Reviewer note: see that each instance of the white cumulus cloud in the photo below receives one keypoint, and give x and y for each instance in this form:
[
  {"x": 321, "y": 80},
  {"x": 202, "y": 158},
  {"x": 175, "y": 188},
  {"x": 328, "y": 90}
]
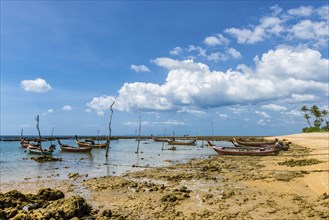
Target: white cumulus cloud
[
  {"x": 303, "y": 11},
  {"x": 176, "y": 51},
  {"x": 274, "y": 107},
  {"x": 295, "y": 98},
  {"x": 263, "y": 114},
  {"x": 218, "y": 39},
  {"x": 67, "y": 108},
  {"x": 267, "y": 26},
  {"x": 38, "y": 85},
  {"x": 139, "y": 68},
  {"x": 277, "y": 75}
]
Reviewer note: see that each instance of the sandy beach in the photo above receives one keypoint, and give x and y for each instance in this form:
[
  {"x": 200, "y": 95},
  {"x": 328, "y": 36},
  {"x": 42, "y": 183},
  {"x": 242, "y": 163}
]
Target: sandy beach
[{"x": 292, "y": 185}]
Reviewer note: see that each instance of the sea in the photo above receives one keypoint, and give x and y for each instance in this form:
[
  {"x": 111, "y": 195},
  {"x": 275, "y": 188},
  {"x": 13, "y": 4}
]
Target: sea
[{"x": 16, "y": 163}]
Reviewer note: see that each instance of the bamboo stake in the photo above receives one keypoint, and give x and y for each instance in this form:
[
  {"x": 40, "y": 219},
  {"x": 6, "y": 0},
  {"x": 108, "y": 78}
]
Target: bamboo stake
[
  {"x": 110, "y": 131},
  {"x": 97, "y": 136},
  {"x": 37, "y": 119},
  {"x": 164, "y": 134},
  {"x": 51, "y": 136},
  {"x": 139, "y": 131}
]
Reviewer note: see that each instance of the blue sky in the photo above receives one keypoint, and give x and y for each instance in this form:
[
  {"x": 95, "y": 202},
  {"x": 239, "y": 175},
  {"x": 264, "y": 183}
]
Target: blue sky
[{"x": 189, "y": 67}]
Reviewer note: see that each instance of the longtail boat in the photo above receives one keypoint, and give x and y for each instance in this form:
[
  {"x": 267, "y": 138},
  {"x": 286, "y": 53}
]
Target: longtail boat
[
  {"x": 87, "y": 142},
  {"x": 173, "y": 142},
  {"x": 68, "y": 148},
  {"x": 245, "y": 151},
  {"x": 159, "y": 139},
  {"x": 38, "y": 150},
  {"x": 255, "y": 144},
  {"x": 275, "y": 145},
  {"x": 25, "y": 143}
]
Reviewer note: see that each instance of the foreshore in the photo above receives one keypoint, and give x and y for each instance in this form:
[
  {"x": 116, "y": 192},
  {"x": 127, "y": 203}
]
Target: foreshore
[{"x": 292, "y": 185}]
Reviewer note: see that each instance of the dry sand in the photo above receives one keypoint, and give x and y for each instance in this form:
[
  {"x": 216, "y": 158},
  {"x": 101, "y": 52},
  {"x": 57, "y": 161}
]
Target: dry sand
[{"x": 220, "y": 187}]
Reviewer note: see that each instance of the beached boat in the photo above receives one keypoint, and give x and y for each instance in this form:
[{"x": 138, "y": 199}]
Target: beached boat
[
  {"x": 38, "y": 150},
  {"x": 174, "y": 142},
  {"x": 68, "y": 148},
  {"x": 255, "y": 144},
  {"x": 246, "y": 151},
  {"x": 87, "y": 142},
  {"x": 276, "y": 145}
]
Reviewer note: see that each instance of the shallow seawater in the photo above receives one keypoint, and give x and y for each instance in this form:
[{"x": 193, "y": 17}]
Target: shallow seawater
[{"x": 15, "y": 164}]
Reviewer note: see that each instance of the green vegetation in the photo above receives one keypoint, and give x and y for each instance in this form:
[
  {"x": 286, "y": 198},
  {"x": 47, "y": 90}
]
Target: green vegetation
[
  {"x": 320, "y": 122},
  {"x": 303, "y": 162}
]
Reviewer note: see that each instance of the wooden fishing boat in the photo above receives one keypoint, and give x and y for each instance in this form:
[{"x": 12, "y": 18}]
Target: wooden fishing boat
[
  {"x": 68, "y": 148},
  {"x": 255, "y": 144},
  {"x": 24, "y": 143},
  {"x": 174, "y": 142},
  {"x": 275, "y": 145},
  {"x": 159, "y": 139},
  {"x": 246, "y": 151},
  {"x": 38, "y": 150},
  {"x": 87, "y": 142}
]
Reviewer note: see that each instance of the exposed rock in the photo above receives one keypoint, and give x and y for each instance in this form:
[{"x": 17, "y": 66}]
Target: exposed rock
[{"x": 46, "y": 204}]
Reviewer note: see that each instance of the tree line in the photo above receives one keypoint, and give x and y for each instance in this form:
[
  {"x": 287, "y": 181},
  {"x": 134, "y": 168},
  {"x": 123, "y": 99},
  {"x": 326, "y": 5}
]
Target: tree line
[{"x": 320, "y": 120}]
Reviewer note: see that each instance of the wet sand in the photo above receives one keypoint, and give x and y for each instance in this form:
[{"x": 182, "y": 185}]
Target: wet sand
[{"x": 220, "y": 187}]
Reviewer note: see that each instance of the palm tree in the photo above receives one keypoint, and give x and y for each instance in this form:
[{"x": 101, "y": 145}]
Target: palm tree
[
  {"x": 317, "y": 114},
  {"x": 306, "y": 116},
  {"x": 324, "y": 113}
]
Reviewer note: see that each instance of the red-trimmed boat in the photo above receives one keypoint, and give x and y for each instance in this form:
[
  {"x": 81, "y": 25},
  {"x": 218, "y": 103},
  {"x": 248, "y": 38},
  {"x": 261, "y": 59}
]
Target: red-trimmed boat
[
  {"x": 68, "y": 148},
  {"x": 87, "y": 142}
]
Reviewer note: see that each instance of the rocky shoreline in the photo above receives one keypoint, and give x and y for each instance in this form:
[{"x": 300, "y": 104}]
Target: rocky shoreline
[{"x": 230, "y": 187}]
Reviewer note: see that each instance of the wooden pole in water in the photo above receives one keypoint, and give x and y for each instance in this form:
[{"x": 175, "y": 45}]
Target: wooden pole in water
[
  {"x": 97, "y": 136},
  {"x": 51, "y": 136},
  {"x": 37, "y": 119},
  {"x": 139, "y": 131},
  {"x": 163, "y": 140},
  {"x": 110, "y": 131}
]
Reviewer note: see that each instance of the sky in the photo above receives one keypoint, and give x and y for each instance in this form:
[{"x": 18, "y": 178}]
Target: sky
[{"x": 186, "y": 67}]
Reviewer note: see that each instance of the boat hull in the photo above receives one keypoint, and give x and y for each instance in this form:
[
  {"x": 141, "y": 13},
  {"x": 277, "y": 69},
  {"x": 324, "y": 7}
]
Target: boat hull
[
  {"x": 86, "y": 144},
  {"x": 275, "y": 145},
  {"x": 76, "y": 149},
  {"x": 68, "y": 148},
  {"x": 40, "y": 152},
  {"x": 245, "y": 151},
  {"x": 191, "y": 143}
]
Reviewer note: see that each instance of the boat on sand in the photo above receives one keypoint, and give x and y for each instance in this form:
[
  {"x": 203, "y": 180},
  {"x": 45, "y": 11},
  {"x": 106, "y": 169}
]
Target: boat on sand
[
  {"x": 246, "y": 151},
  {"x": 255, "y": 144}
]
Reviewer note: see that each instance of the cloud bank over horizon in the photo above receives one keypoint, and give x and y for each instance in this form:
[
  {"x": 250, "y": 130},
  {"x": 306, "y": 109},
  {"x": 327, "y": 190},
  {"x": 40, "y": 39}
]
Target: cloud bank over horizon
[{"x": 282, "y": 73}]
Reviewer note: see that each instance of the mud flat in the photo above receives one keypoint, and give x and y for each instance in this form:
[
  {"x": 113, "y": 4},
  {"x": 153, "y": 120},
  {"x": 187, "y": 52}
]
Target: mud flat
[{"x": 292, "y": 185}]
